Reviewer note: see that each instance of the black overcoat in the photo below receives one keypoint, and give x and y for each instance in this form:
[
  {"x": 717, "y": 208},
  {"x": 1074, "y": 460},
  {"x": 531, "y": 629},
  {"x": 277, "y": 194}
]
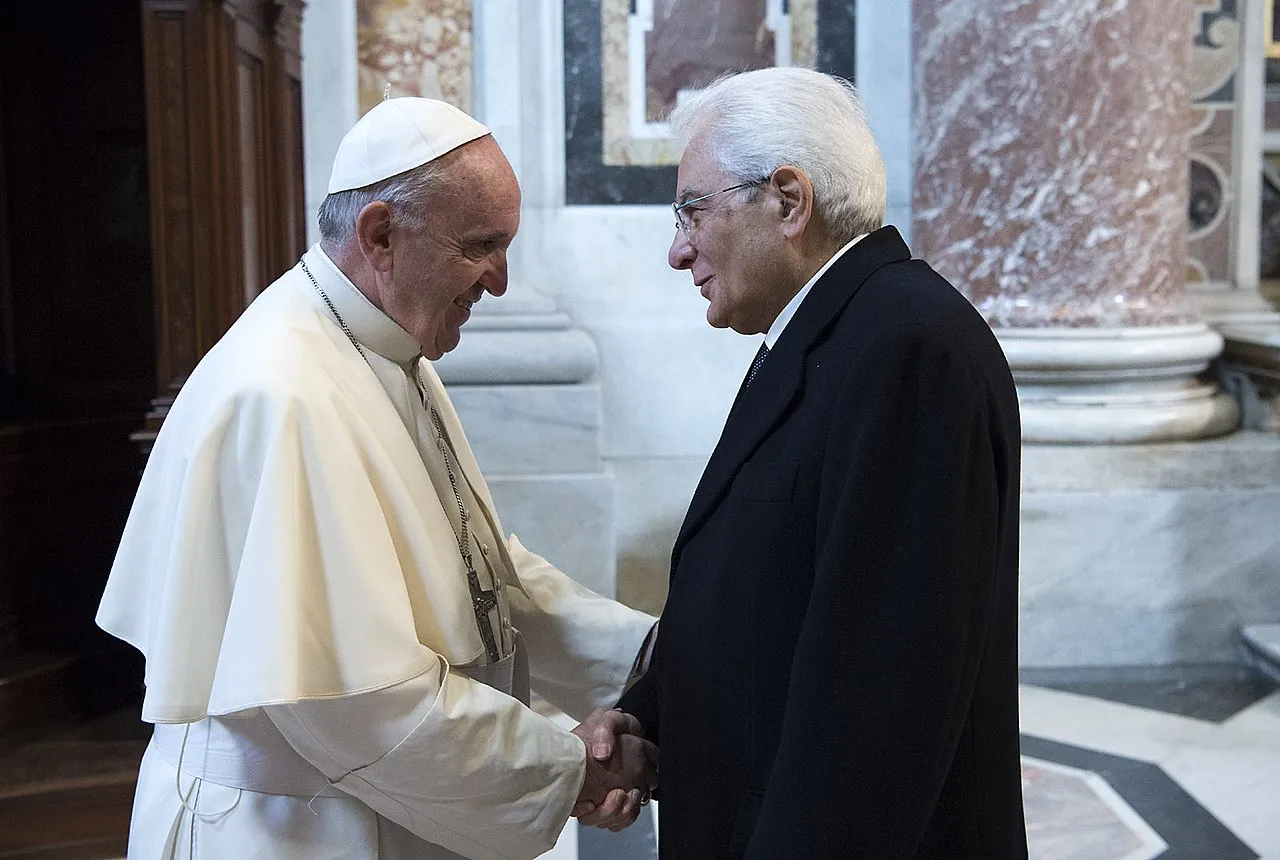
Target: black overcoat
[{"x": 836, "y": 670}]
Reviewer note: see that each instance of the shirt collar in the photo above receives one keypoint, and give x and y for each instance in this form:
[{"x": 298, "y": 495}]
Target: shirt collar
[
  {"x": 775, "y": 330},
  {"x": 368, "y": 325}
]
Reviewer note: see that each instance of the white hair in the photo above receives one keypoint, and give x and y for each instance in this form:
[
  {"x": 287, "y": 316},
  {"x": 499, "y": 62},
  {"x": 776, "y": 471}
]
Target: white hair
[
  {"x": 755, "y": 122},
  {"x": 407, "y": 194}
]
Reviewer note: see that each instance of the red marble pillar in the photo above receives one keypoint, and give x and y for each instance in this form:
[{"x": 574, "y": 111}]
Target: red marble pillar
[{"x": 1051, "y": 152}]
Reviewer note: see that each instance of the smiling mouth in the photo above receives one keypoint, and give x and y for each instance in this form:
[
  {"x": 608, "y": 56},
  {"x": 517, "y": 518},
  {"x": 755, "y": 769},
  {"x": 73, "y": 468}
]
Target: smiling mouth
[{"x": 463, "y": 303}]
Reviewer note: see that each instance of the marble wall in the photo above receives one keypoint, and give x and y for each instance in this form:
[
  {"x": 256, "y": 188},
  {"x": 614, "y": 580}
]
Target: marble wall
[
  {"x": 657, "y": 52},
  {"x": 627, "y": 62},
  {"x": 417, "y": 48}
]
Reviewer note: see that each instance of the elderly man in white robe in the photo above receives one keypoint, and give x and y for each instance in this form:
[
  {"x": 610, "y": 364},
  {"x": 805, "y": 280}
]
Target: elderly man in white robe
[{"x": 339, "y": 639}]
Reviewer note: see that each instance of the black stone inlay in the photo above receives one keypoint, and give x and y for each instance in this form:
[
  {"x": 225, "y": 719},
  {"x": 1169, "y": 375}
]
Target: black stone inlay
[
  {"x": 1190, "y": 830},
  {"x": 1214, "y": 694},
  {"x": 588, "y": 180},
  {"x": 1205, "y": 20}
]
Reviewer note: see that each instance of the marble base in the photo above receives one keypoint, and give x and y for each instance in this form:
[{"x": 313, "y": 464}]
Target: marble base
[
  {"x": 1136, "y": 555},
  {"x": 1223, "y": 304},
  {"x": 539, "y": 449},
  {"x": 523, "y": 339},
  {"x": 330, "y": 94},
  {"x": 1118, "y": 386},
  {"x": 1251, "y": 371},
  {"x": 531, "y": 429},
  {"x": 566, "y": 519},
  {"x": 652, "y": 496},
  {"x": 1148, "y": 555}
]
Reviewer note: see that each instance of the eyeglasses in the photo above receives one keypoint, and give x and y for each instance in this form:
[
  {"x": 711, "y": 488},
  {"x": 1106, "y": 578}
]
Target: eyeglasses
[{"x": 684, "y": 226}]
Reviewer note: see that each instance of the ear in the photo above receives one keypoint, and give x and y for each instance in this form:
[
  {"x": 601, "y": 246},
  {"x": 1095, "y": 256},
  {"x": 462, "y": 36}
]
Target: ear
[
  {"x": 795, "y": 194},
  {"x": 373, "y": 235}
]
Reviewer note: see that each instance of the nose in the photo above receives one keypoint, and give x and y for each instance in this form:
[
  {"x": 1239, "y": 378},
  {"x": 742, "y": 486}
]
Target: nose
[
  {"x": 681, "y": 253},
  {"x": 495, "y": 279}
]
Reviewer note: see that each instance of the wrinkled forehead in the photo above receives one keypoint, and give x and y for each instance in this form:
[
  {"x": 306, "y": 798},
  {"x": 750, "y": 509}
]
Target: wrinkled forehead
[{"x": 481, "y": 170}]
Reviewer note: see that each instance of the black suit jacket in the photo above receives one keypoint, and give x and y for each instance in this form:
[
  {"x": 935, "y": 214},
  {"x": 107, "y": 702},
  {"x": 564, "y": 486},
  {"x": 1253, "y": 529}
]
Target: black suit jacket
[{"x": 836, "y": 671}]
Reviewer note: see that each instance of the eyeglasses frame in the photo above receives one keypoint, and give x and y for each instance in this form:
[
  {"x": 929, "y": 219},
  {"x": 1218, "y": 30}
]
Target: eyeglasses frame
[{"x": 676, "y": 207}]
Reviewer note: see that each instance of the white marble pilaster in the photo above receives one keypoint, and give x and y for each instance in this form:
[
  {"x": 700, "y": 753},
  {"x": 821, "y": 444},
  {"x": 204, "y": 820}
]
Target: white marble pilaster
[
  {"x": 330, "y": 93},
  {"x": 883, "y": 77}
]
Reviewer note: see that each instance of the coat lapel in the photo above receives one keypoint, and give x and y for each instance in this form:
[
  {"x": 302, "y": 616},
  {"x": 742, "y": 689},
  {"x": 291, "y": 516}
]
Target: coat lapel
[{"x": 762, "y": 405}]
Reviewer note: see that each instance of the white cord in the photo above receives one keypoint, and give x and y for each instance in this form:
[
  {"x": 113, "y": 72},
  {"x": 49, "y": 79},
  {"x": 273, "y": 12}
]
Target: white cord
[{"x": 177, "y": 779}]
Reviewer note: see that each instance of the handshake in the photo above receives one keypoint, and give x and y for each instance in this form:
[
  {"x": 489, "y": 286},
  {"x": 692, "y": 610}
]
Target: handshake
[{"x": 622, "y": 770}]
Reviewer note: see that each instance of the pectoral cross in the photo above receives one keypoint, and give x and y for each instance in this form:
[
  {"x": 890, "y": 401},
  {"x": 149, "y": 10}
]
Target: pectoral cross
[{"x": 483, "y": 602}]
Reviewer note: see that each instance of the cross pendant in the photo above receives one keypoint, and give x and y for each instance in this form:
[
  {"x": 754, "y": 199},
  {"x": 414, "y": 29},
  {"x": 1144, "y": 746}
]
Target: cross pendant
[{"x": 483, "y": 602}]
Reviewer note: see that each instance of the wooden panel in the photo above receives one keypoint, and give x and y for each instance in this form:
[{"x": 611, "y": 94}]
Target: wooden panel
[
  {"x": 65, "y": 490},
  {"x": 284, "y": 71},
  {"x": 254, "y": 189},
  {"x": 8, "y": 356},
  {"x": 296, "y": 180},
  {"x": 8, "y": 396},
  {"x": 196, "y": 228},
  {"x": 173, "y": 220},
  {"x": 225, "y": 126}
]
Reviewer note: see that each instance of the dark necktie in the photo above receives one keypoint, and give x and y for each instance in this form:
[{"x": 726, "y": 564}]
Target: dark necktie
[{"x": 757, "y": 362}]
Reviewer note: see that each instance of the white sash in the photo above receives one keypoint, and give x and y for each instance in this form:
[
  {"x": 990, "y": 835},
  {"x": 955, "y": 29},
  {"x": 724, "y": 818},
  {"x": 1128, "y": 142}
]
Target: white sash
[{"x": 247, "y": 752}]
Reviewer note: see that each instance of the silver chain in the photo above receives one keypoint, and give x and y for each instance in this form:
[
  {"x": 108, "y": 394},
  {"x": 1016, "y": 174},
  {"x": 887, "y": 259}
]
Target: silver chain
[
  {"x": 341, "y": 322},
  {"x": 481, "y": 601}
]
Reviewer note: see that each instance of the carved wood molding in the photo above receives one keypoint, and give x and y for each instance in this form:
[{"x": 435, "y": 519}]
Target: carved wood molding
[
  {"x": 284, "y": 19},
  {"x": 225, "y": 135},
  {"x": 189, "y": 59}
]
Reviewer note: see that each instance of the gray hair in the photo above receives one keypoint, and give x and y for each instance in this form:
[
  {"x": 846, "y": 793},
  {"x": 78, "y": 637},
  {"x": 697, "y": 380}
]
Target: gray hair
[
  {"x": 755, "y": 122},
  {"x": 407, "y": 194}
]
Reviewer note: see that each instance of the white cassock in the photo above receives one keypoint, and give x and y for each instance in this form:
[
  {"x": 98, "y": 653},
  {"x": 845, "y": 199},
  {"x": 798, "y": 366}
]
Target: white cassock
[{"x": 291, "y": 571}]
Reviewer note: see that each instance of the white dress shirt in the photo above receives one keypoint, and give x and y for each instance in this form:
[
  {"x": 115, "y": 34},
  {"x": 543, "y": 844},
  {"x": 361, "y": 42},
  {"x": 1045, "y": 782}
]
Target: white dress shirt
[{"x": 775, "y": 330}]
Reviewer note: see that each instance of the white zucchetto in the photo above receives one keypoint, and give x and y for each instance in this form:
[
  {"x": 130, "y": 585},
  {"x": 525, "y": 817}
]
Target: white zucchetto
[{"x": 397, "y": 135}]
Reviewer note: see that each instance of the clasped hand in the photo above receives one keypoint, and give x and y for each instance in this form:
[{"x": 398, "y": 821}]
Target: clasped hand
[{"x": 622, "y": 769}]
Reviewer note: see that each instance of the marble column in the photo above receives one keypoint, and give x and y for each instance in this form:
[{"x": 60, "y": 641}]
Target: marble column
[{"x": 1051, "y": 187}]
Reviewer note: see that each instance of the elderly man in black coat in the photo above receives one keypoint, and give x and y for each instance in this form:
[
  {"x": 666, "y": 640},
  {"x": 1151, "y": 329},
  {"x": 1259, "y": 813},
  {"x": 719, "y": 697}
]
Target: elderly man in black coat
[{"x": 836, "y": 670}]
